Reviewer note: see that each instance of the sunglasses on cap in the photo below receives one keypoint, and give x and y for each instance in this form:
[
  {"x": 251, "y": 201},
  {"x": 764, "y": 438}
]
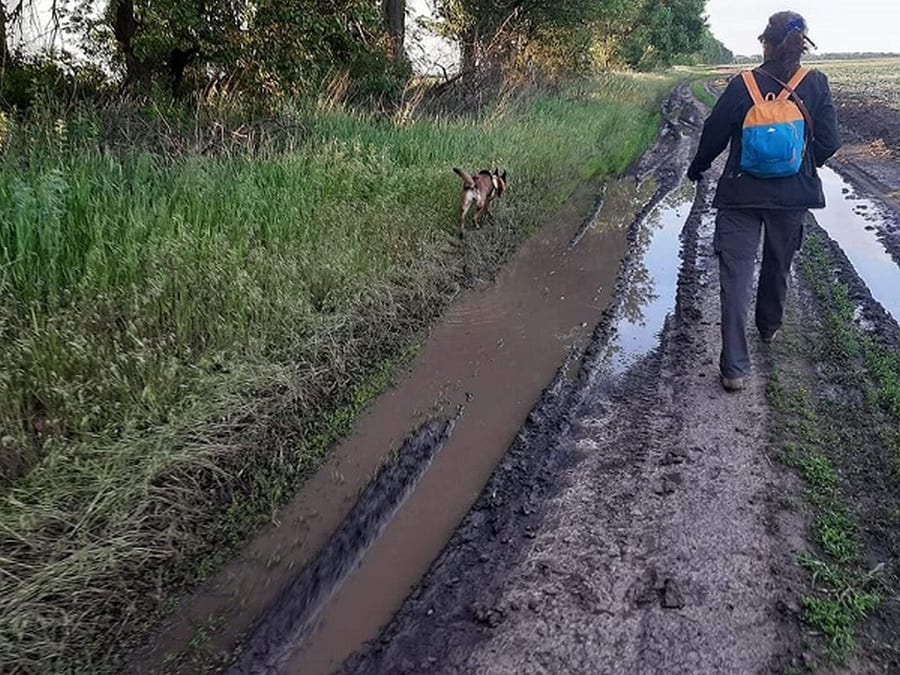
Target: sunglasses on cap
[{"x": 798, "y": 24}]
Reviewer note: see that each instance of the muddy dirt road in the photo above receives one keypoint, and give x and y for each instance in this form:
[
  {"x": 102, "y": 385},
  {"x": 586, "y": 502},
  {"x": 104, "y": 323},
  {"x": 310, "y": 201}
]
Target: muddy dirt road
[
  {"x": 650, "y": 542},
  {"x": 637, "y": 310},
  {"x": 651, "y": 528},
  {"x": 641, "y": 520}
]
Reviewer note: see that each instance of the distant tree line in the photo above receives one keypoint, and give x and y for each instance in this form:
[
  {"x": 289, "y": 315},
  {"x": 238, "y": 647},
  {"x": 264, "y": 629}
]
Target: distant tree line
[
  {"x": 826, "y": 56},
  {"x": 829, "y": 56},
  {"x": 270, "y": 47},
  {"x": 712, "y": 51}
]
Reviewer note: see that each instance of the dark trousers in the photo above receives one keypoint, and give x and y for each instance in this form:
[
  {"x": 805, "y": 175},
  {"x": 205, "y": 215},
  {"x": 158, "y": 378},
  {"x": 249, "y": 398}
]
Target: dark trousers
[{"x": 736, "y": 242}]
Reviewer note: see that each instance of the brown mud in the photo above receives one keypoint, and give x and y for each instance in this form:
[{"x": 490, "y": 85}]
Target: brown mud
[
  {"x": 870, "y": 158},
  {"x": 653, "y": 530},
  {"x": 862, "y": 438},
  {"x": 869, "y": 121},
  {"x": 367, "y": 600},
  {"x": 862, "y": 228}
]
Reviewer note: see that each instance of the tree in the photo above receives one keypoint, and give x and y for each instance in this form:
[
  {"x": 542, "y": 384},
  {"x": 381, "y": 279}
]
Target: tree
[
  {"x": 641, "y": 34},
  {"x": 263, "y": 45},
  {"x": 10, "y": 15},
  {"x": 662, "y": 31},
  {"x": 124, "y": 29},
  {"x": 477, "y": 23},
  {"x": 712, "y": 51},
  {"x": 395, "y": 25},
  {"x": 4, "y": 45}
]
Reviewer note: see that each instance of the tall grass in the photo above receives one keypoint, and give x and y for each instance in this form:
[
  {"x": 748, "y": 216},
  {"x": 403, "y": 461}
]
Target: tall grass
[{"x": 182, "y": 337}]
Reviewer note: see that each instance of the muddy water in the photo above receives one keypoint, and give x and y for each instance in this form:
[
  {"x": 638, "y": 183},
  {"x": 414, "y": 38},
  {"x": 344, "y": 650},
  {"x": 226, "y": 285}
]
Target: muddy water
[
  {"x": 851, "y": 221},
  {"x": 417, "y": 534},
  {"x": 493, "y": 355},
  {"x": 651, "y": 294}
]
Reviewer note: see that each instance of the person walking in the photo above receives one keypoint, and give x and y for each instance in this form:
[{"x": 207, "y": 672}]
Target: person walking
[{"x": 781, "y": 124}]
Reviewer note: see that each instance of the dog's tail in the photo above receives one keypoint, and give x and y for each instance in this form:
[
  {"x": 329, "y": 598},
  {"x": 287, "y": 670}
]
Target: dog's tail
[{"x": 466, "y": 178}]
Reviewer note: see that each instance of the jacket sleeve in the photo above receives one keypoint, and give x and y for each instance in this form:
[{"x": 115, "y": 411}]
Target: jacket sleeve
[
  {"x": 827, "y": 138},
  {"x": 718, "y": 128}
]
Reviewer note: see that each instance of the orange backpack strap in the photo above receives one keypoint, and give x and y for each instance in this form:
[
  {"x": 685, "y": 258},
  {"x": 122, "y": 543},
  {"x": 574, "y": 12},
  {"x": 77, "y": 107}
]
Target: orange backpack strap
[
  {"x": 752, "y": 87},
  {"x": 793, "y": 84}
]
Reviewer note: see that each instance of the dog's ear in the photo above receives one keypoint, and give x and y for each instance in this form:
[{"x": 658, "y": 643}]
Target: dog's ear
[{"x": 503, "y": 175}]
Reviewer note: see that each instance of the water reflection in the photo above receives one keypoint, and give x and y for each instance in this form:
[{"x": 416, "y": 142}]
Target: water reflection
[
  {"x": 651, "y": 282},
  {"x": 846, "y": 221}
]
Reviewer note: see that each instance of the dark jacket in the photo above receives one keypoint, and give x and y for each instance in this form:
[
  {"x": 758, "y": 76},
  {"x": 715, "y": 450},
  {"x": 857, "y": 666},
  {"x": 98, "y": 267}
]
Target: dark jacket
[{"x": 738, "y": 190}]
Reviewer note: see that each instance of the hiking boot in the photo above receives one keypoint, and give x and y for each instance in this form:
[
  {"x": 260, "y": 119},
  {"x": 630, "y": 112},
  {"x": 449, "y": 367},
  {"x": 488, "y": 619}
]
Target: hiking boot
[
  {"x": 733, "y": 383},
  {"x": 767, "y": 338}
]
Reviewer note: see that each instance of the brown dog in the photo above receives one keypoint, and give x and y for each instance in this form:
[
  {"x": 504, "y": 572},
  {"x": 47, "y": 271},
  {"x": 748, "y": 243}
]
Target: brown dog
[{"x": 481, "y": 190}]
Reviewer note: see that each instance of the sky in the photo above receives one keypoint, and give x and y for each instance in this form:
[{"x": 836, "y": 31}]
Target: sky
[
  {"x": 834, "y": 25},
  {"x": 428, "y": 52}
]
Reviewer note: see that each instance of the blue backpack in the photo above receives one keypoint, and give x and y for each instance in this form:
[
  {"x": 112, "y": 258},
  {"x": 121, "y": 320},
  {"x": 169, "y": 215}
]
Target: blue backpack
[{"x": 775, "y": 129}]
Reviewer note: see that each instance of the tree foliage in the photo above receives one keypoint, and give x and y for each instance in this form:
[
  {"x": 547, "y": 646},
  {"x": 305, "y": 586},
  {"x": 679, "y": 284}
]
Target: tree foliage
[
  {"x": 663, "y": 31},
  {"x": 267, "y": 44},
  {"x": 270, "y": 47},
  {"x": 637, "y": 33},
  {"x": 712, "y": 51}
]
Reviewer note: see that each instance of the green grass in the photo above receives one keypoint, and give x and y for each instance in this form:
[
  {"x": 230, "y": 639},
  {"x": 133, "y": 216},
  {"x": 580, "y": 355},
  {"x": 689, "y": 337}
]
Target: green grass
[
  {"x": 845, "y": 342},
  {"x": 841, "y": 605},
  {"x": 701, "y": 94},
  {"x": 185, "y": 335},
  {"x": 802, "y": 444}
]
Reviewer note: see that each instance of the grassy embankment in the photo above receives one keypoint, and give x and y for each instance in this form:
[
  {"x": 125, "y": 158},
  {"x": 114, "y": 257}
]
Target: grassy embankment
[
  {"x": 183, "y": 335},
  {"x": 836, "y": 421}
]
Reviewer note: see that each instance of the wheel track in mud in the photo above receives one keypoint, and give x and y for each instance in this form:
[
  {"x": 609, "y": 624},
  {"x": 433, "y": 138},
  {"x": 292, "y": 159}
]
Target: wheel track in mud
[{"x": 506, "y": 595}]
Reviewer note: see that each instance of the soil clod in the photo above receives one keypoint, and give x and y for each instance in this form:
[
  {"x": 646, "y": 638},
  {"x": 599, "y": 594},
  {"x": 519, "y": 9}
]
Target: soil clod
[{"x": 672, "y": 597}]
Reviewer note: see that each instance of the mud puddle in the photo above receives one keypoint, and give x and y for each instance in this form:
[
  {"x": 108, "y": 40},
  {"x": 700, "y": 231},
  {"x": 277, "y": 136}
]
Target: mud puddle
[
  {"x": 485, "y": 366},
  {"x": 399, "y": 559},
  {"x": 652, "y": 285},
  {"x": 512, "y": 341},
  {"x": 491, "y": 357},
  {"x": 852, "y": 221}
]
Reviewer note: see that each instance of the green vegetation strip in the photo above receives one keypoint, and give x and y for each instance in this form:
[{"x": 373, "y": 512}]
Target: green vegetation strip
[
  {"x": 702, "y": 94},
  {"x": 880, "y": 375},
  {"x": 186, "y": 330},
  {"x": 842, "y": 596},
  {"x": 823, "y": 450}
]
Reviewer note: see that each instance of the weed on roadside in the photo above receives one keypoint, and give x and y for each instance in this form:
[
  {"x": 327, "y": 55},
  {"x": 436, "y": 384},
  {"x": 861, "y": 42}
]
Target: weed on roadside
[
  {"x": 840, "y": 597},
  {"x": 701, "y": 93},
  {"x": 843, "y": 445}
]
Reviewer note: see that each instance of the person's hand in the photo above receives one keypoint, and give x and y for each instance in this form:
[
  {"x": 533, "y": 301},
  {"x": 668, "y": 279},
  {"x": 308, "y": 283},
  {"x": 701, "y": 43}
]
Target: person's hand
[{"x": 693, "y": 174}]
